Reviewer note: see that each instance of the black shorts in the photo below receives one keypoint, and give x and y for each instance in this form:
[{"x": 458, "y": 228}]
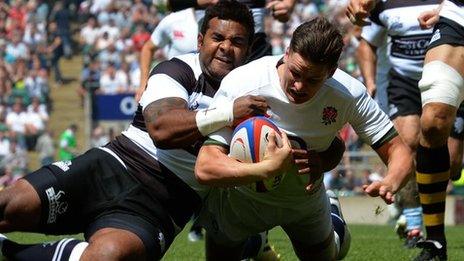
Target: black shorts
[
  {"x": 95, "y": 191},
  {"x": 457, "y": 131},
  {"x": 404, "y": 96},
  {"x": 447, "y": 31}
]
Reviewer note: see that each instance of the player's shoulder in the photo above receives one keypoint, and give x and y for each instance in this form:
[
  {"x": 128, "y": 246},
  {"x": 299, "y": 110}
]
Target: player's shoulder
[
  {"x": 345, "y": 85},
  {"x": 176, "y": 16},
  {"x": 180, "y": 67},
  {"x": 256, "y": 69},
  {"x": 254, "y": 74}
]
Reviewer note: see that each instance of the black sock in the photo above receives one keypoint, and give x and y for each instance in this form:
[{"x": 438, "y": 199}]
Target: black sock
[{"x": 58, "y": 250}]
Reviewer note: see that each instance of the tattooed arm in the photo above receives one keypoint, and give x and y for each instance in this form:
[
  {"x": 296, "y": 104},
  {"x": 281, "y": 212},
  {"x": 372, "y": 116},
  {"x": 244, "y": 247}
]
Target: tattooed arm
[{"x": 170, "y": 123}]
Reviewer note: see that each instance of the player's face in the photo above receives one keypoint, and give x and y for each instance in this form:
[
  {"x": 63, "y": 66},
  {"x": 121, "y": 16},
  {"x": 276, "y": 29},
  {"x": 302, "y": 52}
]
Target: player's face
[
  {"x": 302, "y": 79},
  {"x": 223, "y": 47}
]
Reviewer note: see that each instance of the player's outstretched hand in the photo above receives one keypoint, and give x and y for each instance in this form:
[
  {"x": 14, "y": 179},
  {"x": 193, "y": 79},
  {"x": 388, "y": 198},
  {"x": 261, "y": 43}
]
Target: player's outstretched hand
[
  {"x": 249, "y": 106},
  {"x": 277, "y": 158},
  {"x": 309, "y": 163},
  {"x": 428, "y": 19},
  {"x": 381, "y": 189},
  {"x": 359, "y": 10},
  {"x": 281, "y": 10}
]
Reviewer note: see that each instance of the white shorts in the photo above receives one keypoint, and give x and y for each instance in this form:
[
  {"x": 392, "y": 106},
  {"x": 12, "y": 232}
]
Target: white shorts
[{"x": 231, "y": 216}]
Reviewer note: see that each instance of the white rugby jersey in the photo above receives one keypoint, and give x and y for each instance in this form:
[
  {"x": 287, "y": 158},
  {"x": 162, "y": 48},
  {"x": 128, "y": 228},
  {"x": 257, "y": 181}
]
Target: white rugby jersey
[
  {"x": 408, "y": 42},
  {"x": 179, "y": 77},
  {"x": 313, "y": 124},
  {"x": 383, "y": 64},
  {"x": 177, "y": 33}
]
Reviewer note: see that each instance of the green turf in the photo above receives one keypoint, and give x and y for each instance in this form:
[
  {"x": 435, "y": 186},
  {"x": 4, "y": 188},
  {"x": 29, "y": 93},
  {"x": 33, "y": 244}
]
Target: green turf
[{"x": 368, "y": 243}]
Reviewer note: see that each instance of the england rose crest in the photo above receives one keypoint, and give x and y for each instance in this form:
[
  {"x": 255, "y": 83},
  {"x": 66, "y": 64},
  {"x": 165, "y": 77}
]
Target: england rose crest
[{"x": 329, "y": 115}]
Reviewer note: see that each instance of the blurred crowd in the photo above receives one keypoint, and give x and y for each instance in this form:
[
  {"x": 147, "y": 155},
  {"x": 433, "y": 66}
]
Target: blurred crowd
[{"x": 27, "y": 52}]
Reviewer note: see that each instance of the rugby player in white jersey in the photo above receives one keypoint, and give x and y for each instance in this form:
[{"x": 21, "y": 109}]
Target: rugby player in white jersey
[
  {"x": 310, "y": 100},
  {"x": 176, "y": 33},
  {"x": 131, "y": 197}
]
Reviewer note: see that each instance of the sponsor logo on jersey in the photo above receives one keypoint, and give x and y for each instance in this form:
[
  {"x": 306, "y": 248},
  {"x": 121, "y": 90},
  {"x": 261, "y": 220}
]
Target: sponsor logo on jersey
[
  {"x": 411, "y": 47},
  {"x": 63, "y": 165},
  {"x": 329, "y": 115},
  {"x": 56, "y": 205}
]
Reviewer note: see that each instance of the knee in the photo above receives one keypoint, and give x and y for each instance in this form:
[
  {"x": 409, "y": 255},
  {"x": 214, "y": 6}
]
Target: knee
[
  {"x": 19, "y": 205},
  {"x": 436, "y": 123},
  {"x": 108, "y": 250}
]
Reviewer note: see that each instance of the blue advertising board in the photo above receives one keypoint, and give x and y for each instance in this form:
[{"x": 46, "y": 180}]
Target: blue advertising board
[{"x": 114, "y": 107}]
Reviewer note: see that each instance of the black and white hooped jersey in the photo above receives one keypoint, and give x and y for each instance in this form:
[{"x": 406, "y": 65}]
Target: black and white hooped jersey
[
  {"x": 407, "y": 41},
  {"x": 179, "y": 77}
]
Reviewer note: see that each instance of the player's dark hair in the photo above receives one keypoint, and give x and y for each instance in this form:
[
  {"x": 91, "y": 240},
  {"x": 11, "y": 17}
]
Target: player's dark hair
[
  {"x": 230, "y": 10},
  {"x": 318, "y": 41}
]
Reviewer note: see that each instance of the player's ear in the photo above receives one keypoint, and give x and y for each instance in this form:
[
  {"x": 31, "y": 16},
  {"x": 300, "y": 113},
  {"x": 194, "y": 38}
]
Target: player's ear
[
  {"x": 287, "y": 52},
  {"x": 200, "y": 40}
]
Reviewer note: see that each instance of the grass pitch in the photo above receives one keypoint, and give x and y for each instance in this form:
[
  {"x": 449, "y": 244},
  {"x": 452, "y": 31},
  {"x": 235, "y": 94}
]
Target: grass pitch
[{"x": 368, "y": 243}]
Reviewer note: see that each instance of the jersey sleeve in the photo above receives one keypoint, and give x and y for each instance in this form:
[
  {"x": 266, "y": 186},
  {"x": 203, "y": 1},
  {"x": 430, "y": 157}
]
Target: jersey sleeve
[
  {"x": 160, "y": 36},
  {"x": 374, "y": 34},
  {"x": 367, "y": 119},
  {"x": 173, "y": 78}
]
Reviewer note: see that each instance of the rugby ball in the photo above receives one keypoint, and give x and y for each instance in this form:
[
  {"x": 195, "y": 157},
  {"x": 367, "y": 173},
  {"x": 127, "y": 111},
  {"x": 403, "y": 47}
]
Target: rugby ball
[{"x": 248, "y": 144}]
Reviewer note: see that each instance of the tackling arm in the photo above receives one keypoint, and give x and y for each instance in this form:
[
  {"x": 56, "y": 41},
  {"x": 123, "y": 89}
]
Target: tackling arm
[
  {"x": 170, "y": 123},
  {"x": 367, "y": 60}
]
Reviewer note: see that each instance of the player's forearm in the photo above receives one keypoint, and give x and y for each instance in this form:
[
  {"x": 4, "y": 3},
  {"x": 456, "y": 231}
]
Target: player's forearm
[
  {"x": 214, "y": 168},
  {"x": 367, "y": 61},
  {"x": 174, "y": 129},
  {"x": 400, "y": 162}
]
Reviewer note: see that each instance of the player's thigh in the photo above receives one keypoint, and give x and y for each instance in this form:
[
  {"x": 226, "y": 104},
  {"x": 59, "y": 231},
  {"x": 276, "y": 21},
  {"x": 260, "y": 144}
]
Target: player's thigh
[
  {"x": 312, "y": 233},
  {"x": 451, "y": 55},
  {"x": 114, "y": 244},
  {"x": 20, "y": 207}
]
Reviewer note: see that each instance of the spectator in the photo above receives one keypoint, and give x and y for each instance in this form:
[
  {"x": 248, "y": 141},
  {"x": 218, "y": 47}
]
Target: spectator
[
  {"x": 61, "y": 16},
  {"x": 56, "y": 51},
  {"x": 16, "y": 49},
  {"x": 99, "y": 137},
  {"x": 16, "y": 121},
  {"x": 89, "y": 35},
  {"x": 110, "y": 83},
  {"x": 46, "y": 148},
  {"x": 68, "y": 144}
]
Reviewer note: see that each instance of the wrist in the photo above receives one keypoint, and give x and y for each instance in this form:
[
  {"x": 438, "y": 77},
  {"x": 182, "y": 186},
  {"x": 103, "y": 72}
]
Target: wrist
[{"x": 213, "y": 119}]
